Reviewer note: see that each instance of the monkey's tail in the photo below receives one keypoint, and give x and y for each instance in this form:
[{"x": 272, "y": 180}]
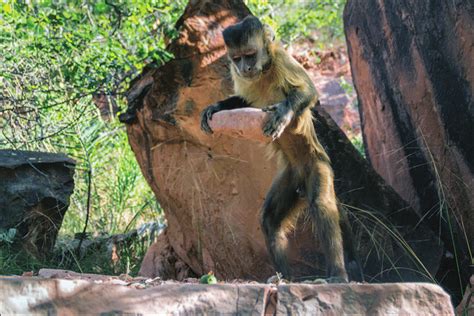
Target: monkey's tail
[{"x": 352, "y": 260}]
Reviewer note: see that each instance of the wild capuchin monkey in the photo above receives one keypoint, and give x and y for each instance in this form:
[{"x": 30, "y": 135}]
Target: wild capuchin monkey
[{"x": 265, "y": 76}]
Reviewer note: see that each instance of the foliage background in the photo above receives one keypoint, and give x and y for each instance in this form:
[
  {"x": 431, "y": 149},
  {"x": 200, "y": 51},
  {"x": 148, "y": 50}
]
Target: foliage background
[
  {"x": 57, "y": 55},
  {"x": 61, "y": 59}
]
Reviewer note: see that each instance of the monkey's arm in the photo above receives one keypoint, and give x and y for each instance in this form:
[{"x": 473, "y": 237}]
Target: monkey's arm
[
  {"x": 283, "y": 113},
  {"x": 299, "y": 100},
  {"x": 234, "y": 102}
]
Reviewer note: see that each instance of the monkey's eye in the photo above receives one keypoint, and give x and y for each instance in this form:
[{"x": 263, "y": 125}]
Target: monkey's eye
[
  {"x": 251, "y": 55},
  {"x": 236, "y": 59}
]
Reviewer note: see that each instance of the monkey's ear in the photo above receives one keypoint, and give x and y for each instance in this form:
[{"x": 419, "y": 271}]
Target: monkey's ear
[{"x": 269, "y": 33}]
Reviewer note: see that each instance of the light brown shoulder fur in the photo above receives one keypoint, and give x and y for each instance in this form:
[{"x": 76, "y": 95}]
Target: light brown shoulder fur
[{"x": 272, "y": 87}]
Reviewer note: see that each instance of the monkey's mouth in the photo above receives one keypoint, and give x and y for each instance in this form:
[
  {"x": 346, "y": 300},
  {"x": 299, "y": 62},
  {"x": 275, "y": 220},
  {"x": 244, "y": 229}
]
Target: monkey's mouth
[{"x": 251, "y": 75}]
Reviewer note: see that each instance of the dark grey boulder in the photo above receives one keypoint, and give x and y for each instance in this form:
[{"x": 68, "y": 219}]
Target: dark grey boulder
[{"x": 34, "y": 195}]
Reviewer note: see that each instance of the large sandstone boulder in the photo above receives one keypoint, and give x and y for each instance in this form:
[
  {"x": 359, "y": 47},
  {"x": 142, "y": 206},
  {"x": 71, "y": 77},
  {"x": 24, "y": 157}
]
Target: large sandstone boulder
[
  {"x": 413, "y": 68},
  {"x": 212, "y": 187},
  {"x": 104, "y": 295},
  {"x": 34, "y": 195}
]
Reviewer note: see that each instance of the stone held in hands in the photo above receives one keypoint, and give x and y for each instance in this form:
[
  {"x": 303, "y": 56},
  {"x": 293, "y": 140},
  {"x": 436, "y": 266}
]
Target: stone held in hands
[{"x": 243, "y": 123}]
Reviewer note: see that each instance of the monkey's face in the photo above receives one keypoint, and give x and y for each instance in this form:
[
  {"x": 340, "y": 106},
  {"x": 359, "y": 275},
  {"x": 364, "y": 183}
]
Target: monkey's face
[
  {"x": 249, "y": 59},
  {"x": 247, "y": 49}
]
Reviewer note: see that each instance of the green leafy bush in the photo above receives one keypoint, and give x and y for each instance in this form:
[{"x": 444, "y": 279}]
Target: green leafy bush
[
  {"x": 7, "y": 236},
  {"x": 294, "y": 19},
  {"x": 62, "y": 59}
]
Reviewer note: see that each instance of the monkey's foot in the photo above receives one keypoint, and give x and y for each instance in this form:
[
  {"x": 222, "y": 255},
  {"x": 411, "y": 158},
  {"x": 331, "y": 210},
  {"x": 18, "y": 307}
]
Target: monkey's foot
[
  {"x": 327, "y": 280},
  {"x": 277, "y": 279},
  {"x": 337, "y": 279},
  {"x": 316, "y": 281}
]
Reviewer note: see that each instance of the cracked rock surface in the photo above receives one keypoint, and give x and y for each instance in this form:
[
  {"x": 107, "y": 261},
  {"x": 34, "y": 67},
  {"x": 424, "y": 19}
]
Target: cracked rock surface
[{"x": 66, "y": 292}]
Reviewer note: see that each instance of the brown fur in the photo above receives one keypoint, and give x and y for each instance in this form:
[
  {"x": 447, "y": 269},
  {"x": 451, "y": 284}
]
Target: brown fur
[
  {"x": 270, "y": 88},
  {"x": 297, "y": 148},
  {"x": 266, "y": 76}
]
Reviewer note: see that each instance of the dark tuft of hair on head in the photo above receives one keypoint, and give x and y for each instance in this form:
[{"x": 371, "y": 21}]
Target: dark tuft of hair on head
[{"x": 239, "y": 34}]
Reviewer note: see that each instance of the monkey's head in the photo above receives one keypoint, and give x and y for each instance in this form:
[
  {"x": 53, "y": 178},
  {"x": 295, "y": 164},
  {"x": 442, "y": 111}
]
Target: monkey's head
[{"x": 247, "y": 45}]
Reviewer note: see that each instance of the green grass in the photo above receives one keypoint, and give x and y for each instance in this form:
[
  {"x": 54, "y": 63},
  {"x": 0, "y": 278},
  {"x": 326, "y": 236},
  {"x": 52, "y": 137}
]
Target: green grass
[
  {"x": 120, "y": 197},
  {"x": 97, "y": 256},
  {"x": 358, "y": 143}
]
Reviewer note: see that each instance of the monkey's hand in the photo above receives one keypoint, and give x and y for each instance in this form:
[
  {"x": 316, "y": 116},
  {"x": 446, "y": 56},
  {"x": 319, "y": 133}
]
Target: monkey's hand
[
  {"x": 280, "y": 117},
  {"x": 206, "y": 116}
]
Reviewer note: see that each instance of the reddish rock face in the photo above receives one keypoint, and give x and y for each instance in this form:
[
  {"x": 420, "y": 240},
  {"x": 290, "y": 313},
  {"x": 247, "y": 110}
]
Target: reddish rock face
[
  {"x": 413, "y": 69},
  {"x": 212, "y": 187}
]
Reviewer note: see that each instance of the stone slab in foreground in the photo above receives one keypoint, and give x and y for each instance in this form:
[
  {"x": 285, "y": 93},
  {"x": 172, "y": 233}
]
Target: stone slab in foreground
[
  {"x": 364, "y": 299},
  {"x": 30, "y": 295},
  {"x": 73, "y": 297}
]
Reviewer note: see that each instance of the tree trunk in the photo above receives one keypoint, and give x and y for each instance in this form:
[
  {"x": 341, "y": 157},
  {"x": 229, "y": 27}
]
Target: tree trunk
[
  {"x": 212, "y": 187},
  {"x": 413, "y": 68}
]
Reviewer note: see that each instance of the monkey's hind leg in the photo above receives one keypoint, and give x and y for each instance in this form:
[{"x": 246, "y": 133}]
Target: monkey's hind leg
[
  {"x": 325, "y": 215},
  {"x": 352, "y": 261},
  {"x": 276, "y": 213}
]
